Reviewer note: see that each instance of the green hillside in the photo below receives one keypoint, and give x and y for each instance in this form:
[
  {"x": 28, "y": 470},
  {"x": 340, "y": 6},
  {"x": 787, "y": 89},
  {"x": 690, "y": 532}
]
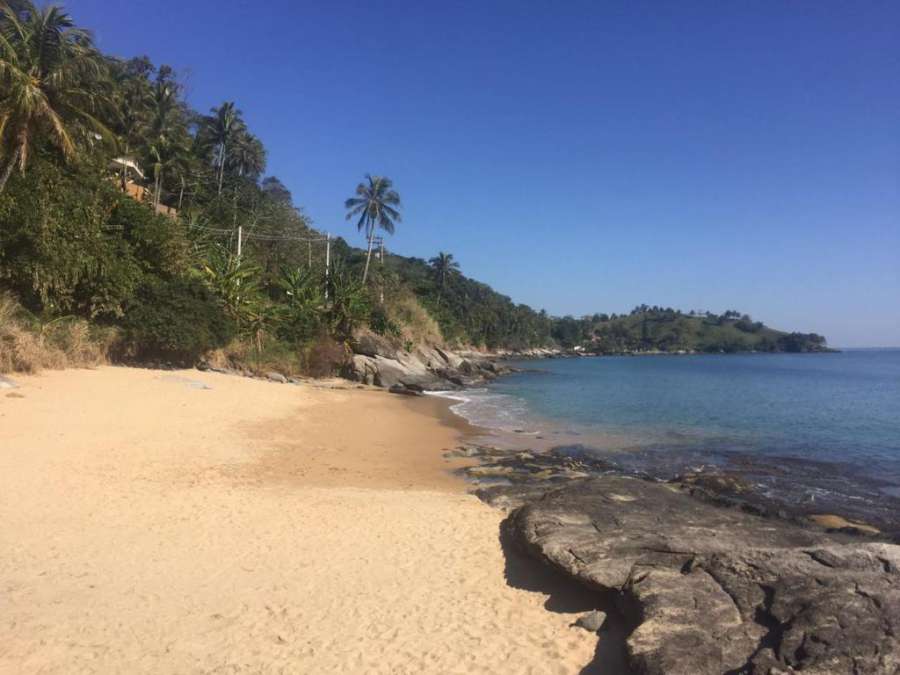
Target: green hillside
[
  {"x": 668, "y": 330},
  {"x": 136, "y": 228}
]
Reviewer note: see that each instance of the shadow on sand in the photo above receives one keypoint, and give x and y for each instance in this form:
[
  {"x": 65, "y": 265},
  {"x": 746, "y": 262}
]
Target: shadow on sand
[{"x": 567, "y": 596}]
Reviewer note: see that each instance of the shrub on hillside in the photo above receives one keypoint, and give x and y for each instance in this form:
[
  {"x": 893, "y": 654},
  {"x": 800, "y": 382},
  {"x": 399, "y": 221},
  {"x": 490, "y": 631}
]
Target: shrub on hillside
[
  {"x": 72, "y": 243},
  {"x": 176, "y": 321},
  {"x": 28, "y": 345},
  {"x": 325, "y": 357}
]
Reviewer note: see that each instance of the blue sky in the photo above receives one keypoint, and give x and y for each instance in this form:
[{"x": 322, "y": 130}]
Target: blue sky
[{"x": 578, "y": 156}]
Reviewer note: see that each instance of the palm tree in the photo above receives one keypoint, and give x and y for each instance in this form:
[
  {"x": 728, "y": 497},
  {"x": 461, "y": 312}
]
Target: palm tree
[
  {"x": 248, "y": 155},
  {"x": 49, "y": 76},
  {"x": 166, "y": 156},
  {"x": 219, "y": 130},
  {"x": 165, "y": 131},
  {"x": 444, "y": 267},
  {"x": 133, "y": 101},
  {"x": 376, "y": 204}
]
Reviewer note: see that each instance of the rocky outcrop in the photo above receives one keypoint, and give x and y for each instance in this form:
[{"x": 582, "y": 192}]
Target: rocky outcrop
[
  {"x": 376, "y": 361},
  {"x": 713, "y": 589}
]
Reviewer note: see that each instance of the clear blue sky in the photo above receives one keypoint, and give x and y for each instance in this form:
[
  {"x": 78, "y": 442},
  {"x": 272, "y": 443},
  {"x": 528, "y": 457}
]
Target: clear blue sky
[{"x": 586, "y": 156}]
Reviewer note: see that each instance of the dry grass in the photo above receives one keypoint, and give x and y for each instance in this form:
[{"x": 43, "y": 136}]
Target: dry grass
[
  {"x": 319, "y": 358},
  {"x": 27, "y": 346},
  {"x": 416, "y": 325}
]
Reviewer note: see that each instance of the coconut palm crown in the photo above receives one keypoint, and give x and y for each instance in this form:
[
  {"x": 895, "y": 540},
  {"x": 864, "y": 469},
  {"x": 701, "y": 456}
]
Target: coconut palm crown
[
  {"x": 444, "y": 267},
  {"x": 50, "y": 84},
  {"x": 376, "y": 203}
]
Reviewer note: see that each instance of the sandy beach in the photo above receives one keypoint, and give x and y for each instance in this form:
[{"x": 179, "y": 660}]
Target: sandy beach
[{"x": 189, "y": 522}]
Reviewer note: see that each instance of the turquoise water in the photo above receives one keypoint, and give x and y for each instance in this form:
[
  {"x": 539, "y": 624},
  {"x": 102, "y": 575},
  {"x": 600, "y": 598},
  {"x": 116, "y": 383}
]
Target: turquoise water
[{"x": 832, "y": 416}]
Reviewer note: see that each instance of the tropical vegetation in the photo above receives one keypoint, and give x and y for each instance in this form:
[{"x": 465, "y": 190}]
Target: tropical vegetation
[{"x": 150, "y": 230}]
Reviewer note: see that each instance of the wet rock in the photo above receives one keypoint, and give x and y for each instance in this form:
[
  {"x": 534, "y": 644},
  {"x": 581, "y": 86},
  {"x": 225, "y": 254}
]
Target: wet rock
[
  {"x": 404, "y": 390},
  {"x": 715, "y": 589},
  {"x": 592, "y": 621}
]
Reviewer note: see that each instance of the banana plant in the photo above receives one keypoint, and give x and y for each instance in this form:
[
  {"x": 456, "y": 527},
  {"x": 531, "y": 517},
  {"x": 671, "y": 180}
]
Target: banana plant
[
  {"x": 236, "y": 283},
  {"x": 301, "y": 309},
  {"x": 349, "y": 303}
]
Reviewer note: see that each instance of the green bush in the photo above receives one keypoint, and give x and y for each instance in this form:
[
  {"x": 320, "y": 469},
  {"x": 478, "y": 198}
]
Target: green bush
[
  {"x": 176, "y": 321},
  {"x": 72, "y": 243}
]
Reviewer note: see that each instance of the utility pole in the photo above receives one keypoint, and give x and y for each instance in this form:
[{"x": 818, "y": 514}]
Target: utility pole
[
  {"x": 240, "y": 237},
  {"x": 380, "y": 242},
  {"x": 308, "y": 254},
  {"x": 327, "y": 261}
]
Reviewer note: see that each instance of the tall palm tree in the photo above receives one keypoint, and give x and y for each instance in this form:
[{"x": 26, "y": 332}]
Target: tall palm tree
[
  {"x": 376, "y": 203},
  {"x": 49, "y": 76},
  {"x": 165, "y": 131},
  {"x": 133, "y": 99},
  {"x": 444, "y": 267},
  {"x": 219, "y": 130},
  {"x": 248, "y": 155}
]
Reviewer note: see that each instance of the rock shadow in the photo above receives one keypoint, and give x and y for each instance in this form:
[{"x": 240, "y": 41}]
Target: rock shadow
[{"x": 568, "y": 596}]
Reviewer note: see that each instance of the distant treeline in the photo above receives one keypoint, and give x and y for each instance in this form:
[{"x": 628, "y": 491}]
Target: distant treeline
[{"x": 655, "y": 328}]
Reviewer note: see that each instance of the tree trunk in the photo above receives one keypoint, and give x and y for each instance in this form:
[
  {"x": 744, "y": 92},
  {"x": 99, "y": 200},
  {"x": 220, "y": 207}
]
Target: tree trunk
[
  {"x": 157, "y": 188},
  {"x": 369, "y": 251},
  {"x": 181, "y": 193},
  {"x": 234, "y": 207},
  {"x": 221, "y": 168},
  {"x": 7, "y": 170}
]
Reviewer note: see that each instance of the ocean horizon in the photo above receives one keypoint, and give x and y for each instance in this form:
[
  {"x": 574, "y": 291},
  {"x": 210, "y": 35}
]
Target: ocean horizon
[{"x": 813, "y": 429}]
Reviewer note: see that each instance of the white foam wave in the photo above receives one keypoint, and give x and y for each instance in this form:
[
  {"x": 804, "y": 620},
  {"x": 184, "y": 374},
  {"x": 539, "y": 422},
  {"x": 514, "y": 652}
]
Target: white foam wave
[{"x": 491, "y": 410}]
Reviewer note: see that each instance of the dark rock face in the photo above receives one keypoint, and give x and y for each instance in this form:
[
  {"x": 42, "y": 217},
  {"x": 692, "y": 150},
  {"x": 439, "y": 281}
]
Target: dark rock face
[
  {"x": 404, "y": 390},
  {"x": 718, "y": 590}
]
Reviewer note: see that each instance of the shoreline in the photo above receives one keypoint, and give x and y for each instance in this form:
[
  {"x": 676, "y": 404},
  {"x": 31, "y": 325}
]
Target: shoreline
[
  {"x": 762, "y": 483},
  {"x": 172, "y": 521}
]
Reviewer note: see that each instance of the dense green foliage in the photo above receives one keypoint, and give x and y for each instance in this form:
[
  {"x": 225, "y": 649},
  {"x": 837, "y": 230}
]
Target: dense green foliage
[
  {"x": 177, "y": 320},
  {"x": 669, "y": 330},
  {"x": 71, "y": 243},
  {"x": 121, "y": 205},
  {"x": 470, "y": 312}
]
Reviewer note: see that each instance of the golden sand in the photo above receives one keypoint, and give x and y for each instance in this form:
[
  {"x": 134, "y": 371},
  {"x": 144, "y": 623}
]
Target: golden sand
[{"x": 151, "y": 525}]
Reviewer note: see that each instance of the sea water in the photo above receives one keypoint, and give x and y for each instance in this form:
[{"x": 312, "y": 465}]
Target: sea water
[{"x": 832, "y": 419}]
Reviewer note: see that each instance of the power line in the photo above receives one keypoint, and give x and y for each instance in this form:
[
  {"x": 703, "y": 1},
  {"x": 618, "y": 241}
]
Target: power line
[{"x": 254, "y": 235}]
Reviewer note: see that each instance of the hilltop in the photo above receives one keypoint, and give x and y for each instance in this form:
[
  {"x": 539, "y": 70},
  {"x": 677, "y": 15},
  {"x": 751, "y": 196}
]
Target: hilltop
[{"x": 670, "y": 330}]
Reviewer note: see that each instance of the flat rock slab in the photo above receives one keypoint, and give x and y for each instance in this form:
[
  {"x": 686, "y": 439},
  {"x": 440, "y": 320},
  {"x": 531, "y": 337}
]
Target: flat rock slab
[
  {"x": 718, "y": 590},
  {"x": 186, "y": 381}
]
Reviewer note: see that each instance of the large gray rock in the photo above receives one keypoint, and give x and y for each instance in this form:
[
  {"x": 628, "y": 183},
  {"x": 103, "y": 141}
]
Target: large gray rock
[
  {"x": 406, "y": 371},
  {"x": 362, "y": 369},
  {"x": 717, "y": 590},
  {"x": 372, "y": 344},
  {"x": 379, "y": 362}
]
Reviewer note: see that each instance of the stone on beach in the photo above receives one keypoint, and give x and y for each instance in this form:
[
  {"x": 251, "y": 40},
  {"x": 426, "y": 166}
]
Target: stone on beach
[
  {"x": 592, "y": 621},
  {"x": 714, "y": 589}
]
